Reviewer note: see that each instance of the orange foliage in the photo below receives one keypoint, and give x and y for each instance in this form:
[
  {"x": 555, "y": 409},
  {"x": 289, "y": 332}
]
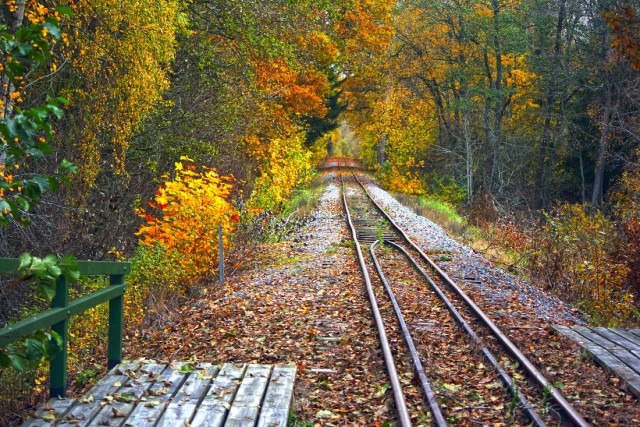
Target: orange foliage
[
  {"x": 298, "y": 92},
  {"x": 625, "y": 26},
  {"x": 366, "y": 27},
  {"x": 190, "y": 208}
]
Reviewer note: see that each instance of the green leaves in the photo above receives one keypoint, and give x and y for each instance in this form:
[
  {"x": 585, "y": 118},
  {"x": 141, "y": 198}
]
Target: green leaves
[
  {"x": 45, "y": 271},
  {"x": 25, "y": 134},
  {"x": 187, "y": 368},
  {"x": 31, "y": 351}
]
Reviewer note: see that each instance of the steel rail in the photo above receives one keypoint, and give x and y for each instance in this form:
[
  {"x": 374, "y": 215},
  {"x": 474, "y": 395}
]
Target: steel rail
[
  {"x": 417, "y": 363},
  {"x": 504, "y": 376},
  {"x": 535, "y": 374},
  {"x": 398, "y": 394}
]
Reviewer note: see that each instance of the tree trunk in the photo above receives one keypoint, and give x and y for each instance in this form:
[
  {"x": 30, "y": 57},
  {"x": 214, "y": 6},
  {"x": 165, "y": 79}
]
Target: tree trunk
[
  {"x": 610, "y": 101},
  {"x": 468, "y": 155},
  {"x": 598, "y": 179},
  {"x": 582, "y": 182}
]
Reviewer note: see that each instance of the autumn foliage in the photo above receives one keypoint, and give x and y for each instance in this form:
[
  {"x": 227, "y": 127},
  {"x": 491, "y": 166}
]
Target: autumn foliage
[
  {"x": 625, "y": 26},
  {"x": 576, "y": 256},
  {"x": 286, "y": 168},
  {"x": 185, "y": 215}
]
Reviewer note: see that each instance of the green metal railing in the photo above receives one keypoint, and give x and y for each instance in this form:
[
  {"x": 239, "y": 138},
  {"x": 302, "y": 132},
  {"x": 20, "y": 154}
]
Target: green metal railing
[{"x": 57, "y": 317}]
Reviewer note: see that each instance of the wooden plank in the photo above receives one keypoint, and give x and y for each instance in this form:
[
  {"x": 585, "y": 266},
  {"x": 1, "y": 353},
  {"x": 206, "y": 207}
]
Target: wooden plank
[
  {"x": 277, "y": 400},
  {"x": 136, "y": 386},
  {"x": 147, "y": 412},
  {"x": 154, "y": 394},
  {"x": 596, "y": 338},
  {"x": 55, "y": 409},
  {"x": 605, "y": 358},
  {"x": 611, "y": 346},
  {"x": 635, "y": 331},
  {"x": 246, "y": 405},
  {"x": 630, "y": 359},
  {"x": 276, "y": 417},
  {"x": 214, "y": 407},
  {"x": 628, "y": 335},
  {"x": 188, "y": 397},
  {"x": 242, "y": 416},
  {"x": 88, "y": 406},
  {"x": 619, "y": 339}
]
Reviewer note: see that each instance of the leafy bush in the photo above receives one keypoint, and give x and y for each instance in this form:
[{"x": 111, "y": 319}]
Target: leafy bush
[
  {"x": 446, "y": 190},
  {"x": 288, "y": 167},
  {"x": 626, "y": 208},
  {"x": 188, "y": 211},
  {"x": 155, "y": 286},
  {"x": 404, "y": 181},
  {"x": 575, "y": 256}
]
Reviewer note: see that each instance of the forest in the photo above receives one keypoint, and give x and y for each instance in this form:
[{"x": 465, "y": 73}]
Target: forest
[{"x": 119, "y": 118}]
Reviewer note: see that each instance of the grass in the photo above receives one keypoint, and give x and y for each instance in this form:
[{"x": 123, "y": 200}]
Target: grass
[
  {"x": 304, "y": 200},
  {"x": 440, "y": 212},
  {"x": 302, "y": 204}
]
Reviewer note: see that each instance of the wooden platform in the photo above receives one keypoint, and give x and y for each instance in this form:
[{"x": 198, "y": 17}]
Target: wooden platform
[
  {"x": 149, "y": 393},
  {"x": 616, "y": 349}
]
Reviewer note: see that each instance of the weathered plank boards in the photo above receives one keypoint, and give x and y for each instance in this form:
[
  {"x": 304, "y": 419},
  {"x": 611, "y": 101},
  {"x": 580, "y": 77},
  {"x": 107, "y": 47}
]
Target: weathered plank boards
[
  {"x": 274, "y": 413},
  {"x": 246, "y": 404},
  {"x": 148, "y": 393},
  {"x": 612, "y": 348}
]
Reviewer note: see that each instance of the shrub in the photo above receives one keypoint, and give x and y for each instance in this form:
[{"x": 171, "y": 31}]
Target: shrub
[
  {"x": 288, "y": 167},
  {"x": 403, "y": 181},
  {"x": 188, "y": 211},
  {"x": 156, "y": 285},
  {"x": 575, "y": 256},
  {"x": 626, "y": 207}
]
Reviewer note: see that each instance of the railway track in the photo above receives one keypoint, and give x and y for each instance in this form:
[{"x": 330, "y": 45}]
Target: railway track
[{"x": 447, "y": 360}]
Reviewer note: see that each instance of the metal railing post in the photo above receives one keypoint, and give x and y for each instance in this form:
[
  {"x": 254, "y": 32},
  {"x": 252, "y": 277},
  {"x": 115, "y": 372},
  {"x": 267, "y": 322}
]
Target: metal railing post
[
  {"x": 58, "y": 386},
  {"x": 220, "y": 256},
  {"x": 116, "y": 322}
]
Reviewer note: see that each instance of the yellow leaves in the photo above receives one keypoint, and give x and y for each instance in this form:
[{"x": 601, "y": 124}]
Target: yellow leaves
[
  {"x": 287, "y": 165},
  {"x": 483, "y": 11},
  {"x": 581, "y": 247},
  {"x": 120, "y": 74},
  {"x": 320, "y": 45},
  {"x": 36, "y": 12},
  {"x": 189, "y": 209}
]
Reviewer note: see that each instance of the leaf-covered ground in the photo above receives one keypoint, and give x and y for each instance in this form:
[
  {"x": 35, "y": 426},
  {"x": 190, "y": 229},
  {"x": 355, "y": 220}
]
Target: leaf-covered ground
[{"x": 303, "y": 301}]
